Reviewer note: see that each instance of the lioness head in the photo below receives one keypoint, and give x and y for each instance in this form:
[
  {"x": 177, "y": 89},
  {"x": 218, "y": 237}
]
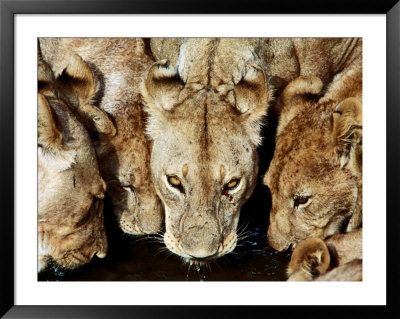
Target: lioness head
[
  {"x": 203, "y": 161},
  {"x": 125, "y": 165},
  {"x": 315, "y": 174},
  {"x": 117, "y": 66},
  {"x": 70, "y": 206}
]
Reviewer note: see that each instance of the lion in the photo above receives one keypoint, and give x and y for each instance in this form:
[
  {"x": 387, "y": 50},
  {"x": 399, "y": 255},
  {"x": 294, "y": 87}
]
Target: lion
[
  {"x": 339, "y": 258},
  {"x": 315, "y": 176},
  {"x": 206, "y": 100},
  {"x": 118, "y": 65},
  {"x": 204, "y": 118},
  {"x": 283, "y": 59},
  {"x": 289, "y": 58},
  {"x": 70, "y": 189}
]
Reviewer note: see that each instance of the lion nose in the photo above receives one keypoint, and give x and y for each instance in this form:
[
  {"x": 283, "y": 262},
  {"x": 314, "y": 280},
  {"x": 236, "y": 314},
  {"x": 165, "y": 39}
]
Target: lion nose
[
  {"x": 276, "y": 239},
  {"x": 150, "y": 217},
  {"x": 200, "y": 246},
  {"x": 201, "y": 236},
  {"x": 199, "y": 252},
  {"x": 101, "y": 254},
  {"x": 102, "y": 245},
  {"x": 102, "y": 249}
]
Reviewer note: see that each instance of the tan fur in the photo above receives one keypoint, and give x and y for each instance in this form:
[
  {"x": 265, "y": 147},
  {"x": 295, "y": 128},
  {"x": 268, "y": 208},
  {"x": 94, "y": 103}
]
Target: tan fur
[
  {"x": 118, "y": 65},
  {"x": 205, "y": 110},
  {"x": 292, "y": 98},
  {"x": 207, "y": 94},
  {"x": 346, "y": 247},
  {"x": 288, "y": 58},
  {"x": 318, "y": 155},
  {"x": 70, "y": 188},
  {"x": 80, "y": 87},
  {"x": 48, "y": 133},
  {"x": 351, "y": 271},
  {"x": 310, "y": 258},
  {"x": 285, "y": 58},
  {"x": 339, "y": 258},
  {"x": 325, "y": 58}
]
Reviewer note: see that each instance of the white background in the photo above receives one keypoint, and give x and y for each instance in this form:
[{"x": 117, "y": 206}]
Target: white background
[{"x": 373, "y": 288}]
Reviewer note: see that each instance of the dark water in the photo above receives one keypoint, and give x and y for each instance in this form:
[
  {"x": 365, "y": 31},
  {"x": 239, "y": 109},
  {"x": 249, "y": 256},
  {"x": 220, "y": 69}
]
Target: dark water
[{"x": 144, "y": 258}]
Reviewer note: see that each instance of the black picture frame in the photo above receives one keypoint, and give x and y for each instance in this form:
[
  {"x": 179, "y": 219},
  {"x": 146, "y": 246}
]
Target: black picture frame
[{"x": 8, "y": 8}]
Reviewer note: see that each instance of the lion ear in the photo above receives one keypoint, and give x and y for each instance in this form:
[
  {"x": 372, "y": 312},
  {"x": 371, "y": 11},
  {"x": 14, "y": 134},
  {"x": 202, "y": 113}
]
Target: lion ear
[
  {"x": 251, "y": 93},
  {"x": 347, "y": 136},
  {"x": 347, "y": 133},
  {"x": 80, "y": 87},
  {"x": 251, "y": 100},
  {"x": 162, "y": 86},
  {"x": 294, "y": 96},
  {"x": 50, "y": 138},
  {"x": 46, "y": 79},
  {"x": 48, "y": 134}
]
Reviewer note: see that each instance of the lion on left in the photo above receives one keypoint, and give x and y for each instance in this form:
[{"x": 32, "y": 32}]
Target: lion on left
[
  {"x": 70, "y": 189},
  {"x": 117, "y": 67}
]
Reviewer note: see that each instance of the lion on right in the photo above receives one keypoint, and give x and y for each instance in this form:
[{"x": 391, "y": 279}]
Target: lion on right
[{"x": 315, "y": 176}]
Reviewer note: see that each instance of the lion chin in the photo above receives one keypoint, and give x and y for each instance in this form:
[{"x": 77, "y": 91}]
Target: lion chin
[{"x": 200, "y": 256}]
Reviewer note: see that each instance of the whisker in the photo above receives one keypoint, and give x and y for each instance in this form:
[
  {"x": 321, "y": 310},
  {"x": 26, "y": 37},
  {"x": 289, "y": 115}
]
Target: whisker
[
  {"x": 187, "y": 274},
  {"x": 168, "y": 255},
  {"x": 241, "y": 239},
  {"x": 162, "y": 250},
  {"x": 242, "y": 230},
  {"x": 225, "y": 260}
]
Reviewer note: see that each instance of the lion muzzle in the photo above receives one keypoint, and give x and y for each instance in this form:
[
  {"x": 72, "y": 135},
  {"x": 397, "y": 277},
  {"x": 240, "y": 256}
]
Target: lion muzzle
[
  {"x": 276, "y": 239},
  {"x": 201, "y": 240}
]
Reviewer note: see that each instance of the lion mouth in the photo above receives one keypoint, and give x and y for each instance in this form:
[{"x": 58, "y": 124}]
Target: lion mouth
[
  {"x": 195, "y": 261},
  {"x": 201, "y": 256}
]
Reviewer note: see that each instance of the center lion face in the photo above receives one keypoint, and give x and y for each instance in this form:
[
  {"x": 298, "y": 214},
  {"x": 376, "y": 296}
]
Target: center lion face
[
  {"x": 204, "y": 168},
  {"x": 204, "y": 161}
]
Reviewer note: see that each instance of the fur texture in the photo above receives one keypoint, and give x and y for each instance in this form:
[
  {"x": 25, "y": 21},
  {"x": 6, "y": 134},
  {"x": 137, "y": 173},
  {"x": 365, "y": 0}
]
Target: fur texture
[
  {"x": 339, "y": 258},
  {"x": 118, "y": 66},
  {"x": 315, "y": 175},
  {"x": 288, "y": 58},
  {"x": 70, "y": 206},
  {"x": 205, "y": 109}
]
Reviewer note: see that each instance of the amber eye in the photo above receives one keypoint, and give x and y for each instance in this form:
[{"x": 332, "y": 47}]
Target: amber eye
[
  {"x": 301, "y": 200},
  {"x": 175, "y": 182},
  {"x": 232, "y": 184}
]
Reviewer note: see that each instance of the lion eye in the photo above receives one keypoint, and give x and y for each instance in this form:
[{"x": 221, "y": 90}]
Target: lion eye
[
  {"x": 232, "y": 184},
  {"x": 301, "y": 200},
  {"x": 175, "y": 182}
]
